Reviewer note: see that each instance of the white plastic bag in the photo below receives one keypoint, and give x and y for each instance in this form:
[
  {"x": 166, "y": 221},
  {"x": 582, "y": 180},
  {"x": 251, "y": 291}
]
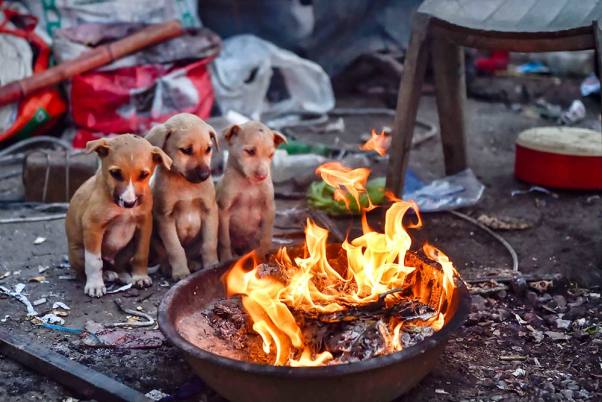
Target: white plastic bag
[
  {"x": 58, "y": 14},
  {"x": 242, "y": 73}
]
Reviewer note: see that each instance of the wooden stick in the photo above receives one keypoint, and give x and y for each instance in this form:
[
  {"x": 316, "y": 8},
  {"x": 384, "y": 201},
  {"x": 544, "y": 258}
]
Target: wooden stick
[
  {"x": 90, "y": 60},
  {"x": 81, "y": 379}
]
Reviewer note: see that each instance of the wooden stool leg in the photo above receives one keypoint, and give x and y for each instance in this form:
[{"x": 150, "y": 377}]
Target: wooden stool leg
[
  {"x": 407, "y": 103},
  {"x": 598, "y": 40},
  {"x": 450, "y": 84}
]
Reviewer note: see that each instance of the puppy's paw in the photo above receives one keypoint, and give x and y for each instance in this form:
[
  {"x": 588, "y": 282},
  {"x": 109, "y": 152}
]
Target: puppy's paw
[
  {"x": 177, "y": 274},
  {"x": 141, "y": 281},
  {"x": 95, "y": 287},
  {"x": 109, "y": 276}
]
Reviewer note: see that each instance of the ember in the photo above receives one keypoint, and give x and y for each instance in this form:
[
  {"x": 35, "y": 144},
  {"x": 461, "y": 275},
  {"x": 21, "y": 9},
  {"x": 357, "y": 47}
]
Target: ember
[{"x": 327, "y": 304}]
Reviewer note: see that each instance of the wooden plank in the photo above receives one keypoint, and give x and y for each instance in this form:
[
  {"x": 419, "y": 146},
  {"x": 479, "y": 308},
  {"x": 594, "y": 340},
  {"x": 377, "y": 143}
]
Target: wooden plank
[
  {"x": 82, "y": 380},
  {"x": 550, "y": 42},
  {"x": 407, "y": 103},
  {"x": 450, "y": 86}
]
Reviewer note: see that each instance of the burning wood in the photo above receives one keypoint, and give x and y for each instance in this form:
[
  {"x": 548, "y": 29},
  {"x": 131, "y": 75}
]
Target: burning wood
[{"x": 333, "y": 303}]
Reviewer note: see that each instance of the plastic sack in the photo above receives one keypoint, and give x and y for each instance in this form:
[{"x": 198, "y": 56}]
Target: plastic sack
[
  {"x": 243, "y": 72},
  {"x": 130, "y": 99},
  {"x": 38, "y": 112},
  {"x": 57, "y": 14}
]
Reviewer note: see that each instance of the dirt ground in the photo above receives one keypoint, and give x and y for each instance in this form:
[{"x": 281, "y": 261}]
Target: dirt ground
[{"x": 504, "y": 351}]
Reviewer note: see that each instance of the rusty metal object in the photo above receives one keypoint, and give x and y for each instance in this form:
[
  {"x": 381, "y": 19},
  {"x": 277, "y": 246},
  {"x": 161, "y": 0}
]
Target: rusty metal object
[
  {"x": 53, "y": 176},
  {"x": 378, "y": 379},
  {"x": 95, "y": 58}
]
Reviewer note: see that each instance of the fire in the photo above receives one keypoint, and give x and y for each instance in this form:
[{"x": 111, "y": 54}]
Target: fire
[
  {"x": 378, "y": 143},
  {"x": 375, "y": 271}
]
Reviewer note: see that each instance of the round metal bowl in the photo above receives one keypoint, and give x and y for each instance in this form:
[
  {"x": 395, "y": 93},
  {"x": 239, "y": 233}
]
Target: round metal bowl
[{"x": 377, "y": 379}]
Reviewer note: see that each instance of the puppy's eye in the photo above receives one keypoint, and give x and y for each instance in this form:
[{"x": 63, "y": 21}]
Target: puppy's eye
[
  {"x": 250, "y": 151},
  {"x": 116, "y": 174},
  {"x": 144, "y": 174},
  {"x": 208, "y": 150},
  {"x": 186, "y": 151}
]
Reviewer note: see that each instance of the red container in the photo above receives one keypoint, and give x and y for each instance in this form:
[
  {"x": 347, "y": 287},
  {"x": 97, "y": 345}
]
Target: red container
[{"x": 560, "y": 157}]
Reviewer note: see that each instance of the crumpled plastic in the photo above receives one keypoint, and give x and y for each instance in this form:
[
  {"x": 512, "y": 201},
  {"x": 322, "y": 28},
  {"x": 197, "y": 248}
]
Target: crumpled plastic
[
  {"x": 452, "y": 192},
  {"x": 244, "y": 71}
]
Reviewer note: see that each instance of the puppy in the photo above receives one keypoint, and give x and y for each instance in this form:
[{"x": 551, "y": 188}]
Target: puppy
[
  {"x": 109, "y": 220},
  {"x": 245, "y": 195},
  {"x": 185, "y": 210}
]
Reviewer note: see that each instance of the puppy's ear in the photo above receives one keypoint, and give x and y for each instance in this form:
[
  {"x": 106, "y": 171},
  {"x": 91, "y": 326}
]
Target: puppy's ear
[
  {"x": 161, "y": 157},
  {"x": 101, "y": 147},
  {"x": 158, "y": 135},
  {"x": 279, "y": 138},
  {"x": 230, "y": 132},
  {"x": 213, "y": 137}
]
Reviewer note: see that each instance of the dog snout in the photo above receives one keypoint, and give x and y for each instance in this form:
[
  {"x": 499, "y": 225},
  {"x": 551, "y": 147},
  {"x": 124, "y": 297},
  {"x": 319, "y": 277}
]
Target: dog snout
[
  {"x": 127, "y": 198},
  {"x": 198, "y": 174},
  {"x": 260, "y": 176}
]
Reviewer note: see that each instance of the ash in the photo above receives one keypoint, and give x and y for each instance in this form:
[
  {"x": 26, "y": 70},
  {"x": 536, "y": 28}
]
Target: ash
[{"x": 351, "y": 335}]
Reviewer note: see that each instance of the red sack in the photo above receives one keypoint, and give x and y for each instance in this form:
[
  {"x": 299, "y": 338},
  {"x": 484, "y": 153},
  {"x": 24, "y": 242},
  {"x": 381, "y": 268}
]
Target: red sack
[
  {"x": 129, "y": 99},
  {"x": 38, "y": 112}
]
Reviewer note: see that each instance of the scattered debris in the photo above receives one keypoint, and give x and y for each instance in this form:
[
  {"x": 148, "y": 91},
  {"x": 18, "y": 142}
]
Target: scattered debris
[
  {"x": 503, "y": 222},
  {"x": 39, "y": 301},
  {"x": 39, "y": 240},
  {"x": 534, "y": 189},
  {"x": 67, "y": 277},
  {"x": 156, "y": 395},
  {"x": 17, "y": 294},
  {"x": 61, "y": 305},
  {"x": 574, "y": 114},
  {"x": 6, "y": 317},
  {"x": 120, "y": 289},
  {"x": 557, "y": 336},
  {"x": 124, "y": 339},
  {"x": 51, "y": 319},
  {"x": 38, "y": 279},
  {"x": 149, "y": 321}
]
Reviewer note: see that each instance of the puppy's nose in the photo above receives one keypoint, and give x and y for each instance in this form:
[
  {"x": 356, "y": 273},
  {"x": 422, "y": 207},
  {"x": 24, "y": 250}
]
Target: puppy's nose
[
  {"x": 199, "y": 174},
  {"x": 260, "y": 176},
  {"x": 129, "y": 204}
]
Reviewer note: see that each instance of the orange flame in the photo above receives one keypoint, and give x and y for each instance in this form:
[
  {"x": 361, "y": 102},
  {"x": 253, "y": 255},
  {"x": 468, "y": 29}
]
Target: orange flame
[
  {"x": 378, "y": 143},
  {"x": 375, "y": 266},
  {"x": 344, "y": 180}
]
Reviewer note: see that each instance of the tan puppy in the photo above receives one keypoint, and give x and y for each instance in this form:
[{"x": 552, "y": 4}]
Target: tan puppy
[
  {"x": 245, "y": 195},
  {"x": 185, "y": 210},
  {"x": 109, "y": 221}
]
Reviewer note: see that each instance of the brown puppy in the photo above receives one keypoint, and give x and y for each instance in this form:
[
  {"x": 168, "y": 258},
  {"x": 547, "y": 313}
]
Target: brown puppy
[
  {"x": 245, "y": 195},
  {"x": 185, "y": 210},
  {"x": 109, "y": 221}
]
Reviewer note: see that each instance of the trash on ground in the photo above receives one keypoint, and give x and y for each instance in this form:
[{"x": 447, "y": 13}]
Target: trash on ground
[
  {"x": 39, "y": 240},
  {"x": 504, "y": 222},
  {"x": 590, "y": 85},
  {"x": 18, "y": 294},
  {"x": 534, "y": 189},
  {"x": 50, "y": 319},
  {"x": 457, "y": 191},
  {"x": 39, "y": 301},
  {"x": 38, "y": 279},
  {"x": 574, "y": 114},
  {"x": 124, "y": 338},
  {"x": 156, "y": 395},
  {"x": 120, "y": 289},
  {"x": 60, "y": 305}
]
